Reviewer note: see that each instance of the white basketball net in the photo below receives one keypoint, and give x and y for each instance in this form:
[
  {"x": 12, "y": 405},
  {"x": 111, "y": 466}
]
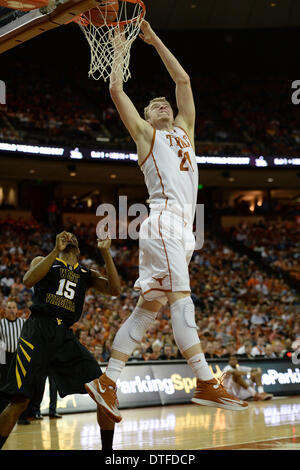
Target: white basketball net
[{"x": 100, "y": 38}]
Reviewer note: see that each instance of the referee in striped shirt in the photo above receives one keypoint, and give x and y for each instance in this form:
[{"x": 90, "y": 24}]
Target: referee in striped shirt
[{"x": 10, "y": 332}]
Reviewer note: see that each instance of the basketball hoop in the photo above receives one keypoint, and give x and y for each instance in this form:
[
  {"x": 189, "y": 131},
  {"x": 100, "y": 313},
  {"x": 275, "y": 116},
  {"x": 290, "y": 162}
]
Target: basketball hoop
[{"x": 99, "y": 26}]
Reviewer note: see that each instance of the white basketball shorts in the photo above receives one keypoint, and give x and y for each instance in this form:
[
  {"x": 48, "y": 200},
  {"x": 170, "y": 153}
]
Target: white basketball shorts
[{"x": 166, "y": 245}]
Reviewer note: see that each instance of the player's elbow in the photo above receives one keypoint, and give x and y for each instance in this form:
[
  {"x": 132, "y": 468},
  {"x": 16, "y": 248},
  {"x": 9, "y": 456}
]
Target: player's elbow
[
  {"x": 27, "y": 282},
  {"x": 184, "y": 79}
]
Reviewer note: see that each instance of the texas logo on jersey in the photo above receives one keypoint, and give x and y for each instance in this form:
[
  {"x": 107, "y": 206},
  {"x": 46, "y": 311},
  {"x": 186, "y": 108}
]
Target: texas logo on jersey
[{"x": 181, "y": 142}]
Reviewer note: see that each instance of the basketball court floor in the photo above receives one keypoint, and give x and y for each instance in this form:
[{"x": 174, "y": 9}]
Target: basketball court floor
[{"x": 271, "y": 425}]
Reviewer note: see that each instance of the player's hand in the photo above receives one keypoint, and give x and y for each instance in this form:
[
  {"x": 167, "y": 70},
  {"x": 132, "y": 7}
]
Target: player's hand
[
  {"x": 118, "y": 40},
  {"x": 147, "y": 34},
  {"x": 62, "y": 239},
  {"x": 104, "y": 245}
]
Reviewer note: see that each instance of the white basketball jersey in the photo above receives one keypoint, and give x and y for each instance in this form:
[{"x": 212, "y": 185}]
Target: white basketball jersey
[{"x": 171, "y": 173}]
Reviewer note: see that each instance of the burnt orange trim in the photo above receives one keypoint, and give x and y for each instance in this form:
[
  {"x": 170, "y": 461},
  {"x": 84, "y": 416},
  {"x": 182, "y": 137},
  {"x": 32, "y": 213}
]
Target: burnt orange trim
[
  {"x": 151, "y": 148},
  {"x": 179, "y": 127},
  {"x": 156, "y": 288},
  {"x": 170, "y": 274},
  {"x": 160, "y": 178}
]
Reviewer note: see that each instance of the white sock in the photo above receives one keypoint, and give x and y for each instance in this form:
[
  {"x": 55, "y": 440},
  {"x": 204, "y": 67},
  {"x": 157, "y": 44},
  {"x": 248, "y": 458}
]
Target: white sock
[
  {"x": 252, "y": 391},
  {"x": 114, "y": 369},
  {"x": 260, "y": 389},
  {"x": 200, "y": 367}
]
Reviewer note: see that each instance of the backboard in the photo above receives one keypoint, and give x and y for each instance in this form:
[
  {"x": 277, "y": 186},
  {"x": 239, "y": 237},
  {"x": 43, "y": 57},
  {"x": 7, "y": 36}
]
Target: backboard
[{"x": 18, "y": 26}]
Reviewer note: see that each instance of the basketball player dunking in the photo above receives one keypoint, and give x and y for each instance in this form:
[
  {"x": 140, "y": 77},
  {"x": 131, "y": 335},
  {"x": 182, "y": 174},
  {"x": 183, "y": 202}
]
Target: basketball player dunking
[{"x": 166, "y": 156}]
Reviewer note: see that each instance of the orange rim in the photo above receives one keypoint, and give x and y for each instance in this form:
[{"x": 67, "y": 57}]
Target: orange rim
[{"x": 85, "y": 22}]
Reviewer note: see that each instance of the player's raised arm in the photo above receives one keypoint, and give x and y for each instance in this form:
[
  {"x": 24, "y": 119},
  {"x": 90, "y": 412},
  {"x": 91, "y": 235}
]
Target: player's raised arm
[
  {"x": 40, "y": 265},
  {"x": 137, "y": 127},
  {"x": 111, "y": 284},
  {"x": 184, "y": 94}
]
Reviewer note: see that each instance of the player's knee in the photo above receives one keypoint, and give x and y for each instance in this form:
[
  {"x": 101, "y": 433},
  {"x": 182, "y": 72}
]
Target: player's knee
[
  {"x": 149, "y": 305},
  {"x": 184, "y": 324},
  {"x": 133, "y": 330},
  {"x": 189, "y": 313},
  {"x": 184, "y": 308},
  {"x": 140, "y": 320},
  {"x": 174, "y": 296}
]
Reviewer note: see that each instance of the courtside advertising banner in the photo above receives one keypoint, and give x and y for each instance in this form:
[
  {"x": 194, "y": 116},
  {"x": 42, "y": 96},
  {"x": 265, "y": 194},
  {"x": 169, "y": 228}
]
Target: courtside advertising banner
[{"x": 163, "y": 383}]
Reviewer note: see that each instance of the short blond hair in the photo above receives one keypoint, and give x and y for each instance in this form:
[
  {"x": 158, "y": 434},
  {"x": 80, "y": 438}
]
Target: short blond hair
[{"x": 155, "y": 100}]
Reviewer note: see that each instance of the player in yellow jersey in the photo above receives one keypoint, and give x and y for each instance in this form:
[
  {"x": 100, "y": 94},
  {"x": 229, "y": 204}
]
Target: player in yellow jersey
[{"x": 47, "y": 343}]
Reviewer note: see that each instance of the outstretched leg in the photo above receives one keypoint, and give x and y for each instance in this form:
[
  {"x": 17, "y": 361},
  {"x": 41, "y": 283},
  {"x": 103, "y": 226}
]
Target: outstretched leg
[
  {"x": 10, "y": 416},
  {"x": 131, "y": 333},
  {"x": 209, "y": 392},
  {"x": 186, "y": 334}
]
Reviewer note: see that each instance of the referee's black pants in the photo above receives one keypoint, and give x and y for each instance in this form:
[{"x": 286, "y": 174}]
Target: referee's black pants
[{"x": 34, "y": 407}]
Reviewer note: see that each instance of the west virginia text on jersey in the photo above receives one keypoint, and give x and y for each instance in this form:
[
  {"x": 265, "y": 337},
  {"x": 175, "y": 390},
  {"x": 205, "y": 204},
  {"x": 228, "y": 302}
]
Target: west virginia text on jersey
[{"x": 61, "y": 292}]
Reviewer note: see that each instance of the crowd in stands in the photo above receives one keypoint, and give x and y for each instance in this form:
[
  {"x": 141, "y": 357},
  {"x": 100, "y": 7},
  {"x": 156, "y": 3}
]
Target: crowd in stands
[
  {"x": 239, "y": 307},
  {"x": 276, "y": 242},
  {"x": 235, "y": 114}
]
